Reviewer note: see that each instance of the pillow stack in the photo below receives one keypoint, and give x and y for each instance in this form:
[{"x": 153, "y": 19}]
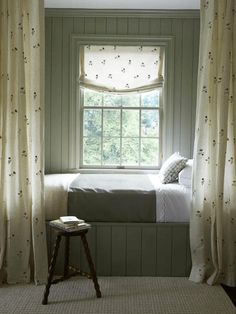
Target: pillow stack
[{"x": 171, "y": 168}]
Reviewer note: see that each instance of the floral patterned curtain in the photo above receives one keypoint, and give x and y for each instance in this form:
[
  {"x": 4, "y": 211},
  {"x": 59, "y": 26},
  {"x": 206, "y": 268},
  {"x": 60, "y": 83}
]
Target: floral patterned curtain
[
  {"x": 213, "y": 221},
  {"x": 22, "y": 223},
  {"x": 121, "y": 68}
]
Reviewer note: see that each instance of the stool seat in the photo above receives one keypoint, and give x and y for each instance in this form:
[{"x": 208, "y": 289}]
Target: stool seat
[{"x": 69, "y": 271}]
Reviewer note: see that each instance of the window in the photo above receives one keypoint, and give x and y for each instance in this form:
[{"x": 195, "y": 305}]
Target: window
[
  {"x": 121, "y": 130},
  {"x": 121, "y": 102}
]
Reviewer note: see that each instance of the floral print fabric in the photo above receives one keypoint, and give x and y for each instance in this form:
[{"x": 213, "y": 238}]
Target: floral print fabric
[
  {"x": 22, "y": 223},
  {"x": 213, "y": 219},
  {"x": 121, "y": 68}
]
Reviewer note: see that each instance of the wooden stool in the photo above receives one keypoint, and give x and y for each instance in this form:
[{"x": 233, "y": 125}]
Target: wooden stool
[{"x": 92, "y": 275}]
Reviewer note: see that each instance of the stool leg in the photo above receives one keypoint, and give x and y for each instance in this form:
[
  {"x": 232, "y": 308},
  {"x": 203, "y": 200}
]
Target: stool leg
[
  {"x": 67, "y": 253},
  {"x": 91, "y": 266},
  {"x": 51, "y": 269}
]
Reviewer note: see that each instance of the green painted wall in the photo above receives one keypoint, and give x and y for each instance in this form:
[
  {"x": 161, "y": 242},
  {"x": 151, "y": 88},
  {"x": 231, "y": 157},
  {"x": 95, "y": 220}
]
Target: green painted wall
[{"x": 60, "y": 24}]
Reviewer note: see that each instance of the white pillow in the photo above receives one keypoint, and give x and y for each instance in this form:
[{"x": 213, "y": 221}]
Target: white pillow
[
  {"x": 172, "y": 166},
  {"x": 185, "y": 175}
]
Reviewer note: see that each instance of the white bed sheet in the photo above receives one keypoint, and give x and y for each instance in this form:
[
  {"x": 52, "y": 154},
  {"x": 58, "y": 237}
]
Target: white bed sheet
[
  {"x": 173, "y": 201},
  {"x": 56, "y": 194}
]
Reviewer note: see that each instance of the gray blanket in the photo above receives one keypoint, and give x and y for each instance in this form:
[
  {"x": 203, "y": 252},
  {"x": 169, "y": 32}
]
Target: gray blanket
[{"x": 113, "y": 198}]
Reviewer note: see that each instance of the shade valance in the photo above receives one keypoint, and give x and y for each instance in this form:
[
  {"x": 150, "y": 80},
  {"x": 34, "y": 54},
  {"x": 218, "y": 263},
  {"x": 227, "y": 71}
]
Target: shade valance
[{"x": 121, "y": 68}]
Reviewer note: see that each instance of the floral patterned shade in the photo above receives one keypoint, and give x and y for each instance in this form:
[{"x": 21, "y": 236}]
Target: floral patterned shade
[
  {"x": 213, "y": 219},
  {"x": 121, "y": 68}
]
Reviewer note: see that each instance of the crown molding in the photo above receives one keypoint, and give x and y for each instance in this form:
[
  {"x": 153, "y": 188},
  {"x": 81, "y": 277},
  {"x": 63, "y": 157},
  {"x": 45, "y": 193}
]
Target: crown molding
[{"x": 184, "y": 14}]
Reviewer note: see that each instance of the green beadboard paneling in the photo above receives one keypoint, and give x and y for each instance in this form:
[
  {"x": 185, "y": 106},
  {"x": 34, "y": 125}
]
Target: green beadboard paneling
[
  {"x": 103, "y": 258},
  {"x": 155, "y": 26},
  {"x": 133, "y": 26},
  {"x": 118, "y": 251},
  {"x": 111, "y": 26},
  {"x": 164, "y": 251},
  {"x": 177, "y": 31},
  {"x": 149, "y": 248},
  {"x": 90, "y": 25},
  {"x": 196, "y": 27},
  {"x": 78, "y": 23},
  {"x": 144, "y": 26},
  {"x": 166, "y": 26},
  {"x": 187, "y": 85},
  {"x": 122, "y": 26},
  {"x": 101, "y": 25},
  {"x": 61, "y": 128},
  {"x": 130, "y": 249},
  {"x": 48, "y": 89},
  {"x": 67, "y": 29},
  {"x": 178, "y": 266},
  {"x": 134, "y": 250},
  {"x": 56, "y": 95}
]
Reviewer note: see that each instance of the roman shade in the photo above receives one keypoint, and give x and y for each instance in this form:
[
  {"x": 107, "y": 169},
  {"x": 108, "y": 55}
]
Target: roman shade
[{"x": 121, "y": 69}]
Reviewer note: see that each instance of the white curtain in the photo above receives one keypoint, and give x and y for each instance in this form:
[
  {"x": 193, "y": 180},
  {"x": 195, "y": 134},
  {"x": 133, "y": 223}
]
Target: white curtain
[
  {"x": 121, "y": 68},
  {"x": 213, "y": 220},
  {"x": 22, "y": 223}
]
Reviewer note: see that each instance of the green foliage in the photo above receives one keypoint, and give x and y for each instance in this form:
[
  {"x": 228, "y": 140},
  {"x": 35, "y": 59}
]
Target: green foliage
[
  {"x": 92, "y": 98},
  {"x": 114, "y": 137},
  {"x": 150, "y": 99}
]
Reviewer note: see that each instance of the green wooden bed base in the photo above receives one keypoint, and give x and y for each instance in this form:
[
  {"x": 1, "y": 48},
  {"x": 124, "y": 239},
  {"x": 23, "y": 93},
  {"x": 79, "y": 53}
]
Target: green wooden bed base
[{"x": 133, "y": 249}]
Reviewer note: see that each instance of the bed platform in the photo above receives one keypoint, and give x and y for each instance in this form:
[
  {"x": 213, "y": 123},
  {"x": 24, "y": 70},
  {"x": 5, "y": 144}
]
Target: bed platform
[{"x": 129, "y": 234}]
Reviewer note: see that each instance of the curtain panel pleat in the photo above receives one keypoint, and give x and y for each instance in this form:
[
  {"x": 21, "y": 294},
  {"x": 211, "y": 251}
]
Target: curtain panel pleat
[
  {"x": 213, "y": 218},
  {"x": 22, "y": 218}
]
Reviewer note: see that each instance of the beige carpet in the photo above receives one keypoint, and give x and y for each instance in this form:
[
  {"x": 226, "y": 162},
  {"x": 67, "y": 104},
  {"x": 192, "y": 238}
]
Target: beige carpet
[{"x": 120, "y": 295}]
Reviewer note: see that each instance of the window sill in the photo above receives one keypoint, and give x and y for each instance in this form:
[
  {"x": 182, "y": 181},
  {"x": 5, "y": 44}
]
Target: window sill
[{"x": 119, "y": 171}]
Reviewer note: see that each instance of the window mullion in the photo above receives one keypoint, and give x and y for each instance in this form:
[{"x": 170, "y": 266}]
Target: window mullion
[
  {"x": 139, "y": 153},
  {"x": 121, "y": 123},
  {"x": 102, "y": 131}
]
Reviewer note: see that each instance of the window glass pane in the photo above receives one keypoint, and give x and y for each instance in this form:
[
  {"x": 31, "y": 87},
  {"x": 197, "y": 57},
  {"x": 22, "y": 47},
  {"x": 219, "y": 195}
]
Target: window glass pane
[
  {"x": 92, "y": 151},
  {"x": 111, "y": 151},
  {"x": 150, "y": 123},
  {"x": 92, "y": 122},
  {"x": 130, "y": 123},
  {"x": 104, "y": 132},
  {"x": 149, "y": 151},
  {"x": 92, "y": 98},
  {"x": 111, "y": 122},
  {"x": 112, "y": 100},
  {"x": 130, "y": 151},
  {"x": 150, "y": 99},
  {"x": 130, "y": 100}
]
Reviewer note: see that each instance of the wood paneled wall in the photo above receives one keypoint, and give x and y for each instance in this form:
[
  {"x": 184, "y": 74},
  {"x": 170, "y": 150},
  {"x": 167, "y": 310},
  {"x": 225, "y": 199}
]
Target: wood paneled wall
[
  {"x": 60, "y": 25},
  {"x": 131, "y": 249}
]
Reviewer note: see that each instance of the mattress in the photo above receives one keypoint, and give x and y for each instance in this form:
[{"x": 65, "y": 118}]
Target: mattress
[
  {"x": 128, "y": 198},
  {"x": 113, "y": 198}
]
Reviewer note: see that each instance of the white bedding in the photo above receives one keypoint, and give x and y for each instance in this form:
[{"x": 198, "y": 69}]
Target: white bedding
[
  {"x": 173, "y": 201},
  {"x": 56, "y": 194}
]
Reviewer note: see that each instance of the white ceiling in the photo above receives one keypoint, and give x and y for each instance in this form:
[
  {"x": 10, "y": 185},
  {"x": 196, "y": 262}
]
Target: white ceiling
[{"x": 124, "y": 4}]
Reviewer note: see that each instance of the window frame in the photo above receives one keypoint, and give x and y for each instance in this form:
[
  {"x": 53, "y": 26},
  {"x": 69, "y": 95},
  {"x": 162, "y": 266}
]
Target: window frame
[
  {"x": 159, "y": 109},
  {"x": 78, "y": 40}
]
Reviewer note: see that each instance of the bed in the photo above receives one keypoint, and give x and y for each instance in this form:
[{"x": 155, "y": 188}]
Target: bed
[{"x": 140, "y": 226}]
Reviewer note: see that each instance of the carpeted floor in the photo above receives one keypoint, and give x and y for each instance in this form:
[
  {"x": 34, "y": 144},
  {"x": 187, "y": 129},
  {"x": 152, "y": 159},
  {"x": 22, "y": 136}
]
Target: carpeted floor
[{"x": 120, "y": 295}]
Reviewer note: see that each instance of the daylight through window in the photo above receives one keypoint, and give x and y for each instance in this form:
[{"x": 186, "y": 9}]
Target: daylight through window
[{"x": 121, "y": 102}]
